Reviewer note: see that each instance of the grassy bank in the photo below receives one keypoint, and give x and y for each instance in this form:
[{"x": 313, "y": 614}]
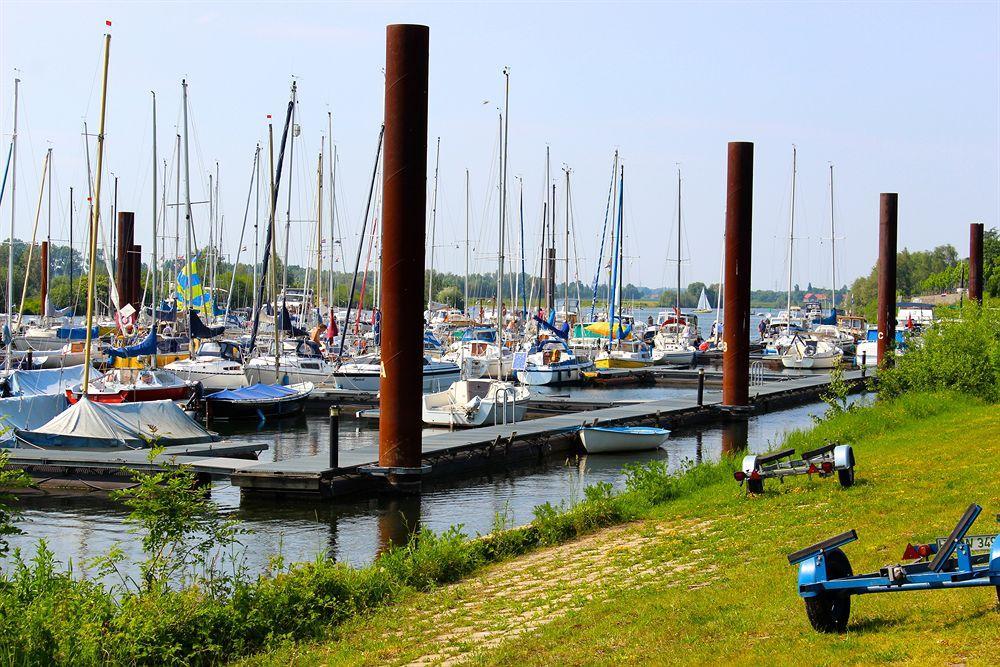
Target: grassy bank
[{"x": 702, "y": 575}]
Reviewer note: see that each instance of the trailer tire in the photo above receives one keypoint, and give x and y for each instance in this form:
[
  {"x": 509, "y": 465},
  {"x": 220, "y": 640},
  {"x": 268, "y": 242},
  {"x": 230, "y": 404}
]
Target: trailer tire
[
  {"x": 755, "y": 485},
  {"x": 846, "y": 477},
  {"x": 829, "y": 611}
]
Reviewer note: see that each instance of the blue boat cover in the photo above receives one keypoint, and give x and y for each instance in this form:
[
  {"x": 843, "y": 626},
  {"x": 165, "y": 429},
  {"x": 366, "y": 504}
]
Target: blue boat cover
[
  {"x": 255, "y": 392},
  {"x": 146, "y": 347},
  {"x": 75, "y": 333},
  {"x": 562, "y": 332}
]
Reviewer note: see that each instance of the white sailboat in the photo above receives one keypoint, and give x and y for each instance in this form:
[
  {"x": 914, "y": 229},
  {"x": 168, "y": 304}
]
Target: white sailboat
[{"x": 703, "y": 305}]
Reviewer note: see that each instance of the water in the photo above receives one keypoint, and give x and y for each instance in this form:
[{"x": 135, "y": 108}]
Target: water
[{"x": 80, "y": 527}]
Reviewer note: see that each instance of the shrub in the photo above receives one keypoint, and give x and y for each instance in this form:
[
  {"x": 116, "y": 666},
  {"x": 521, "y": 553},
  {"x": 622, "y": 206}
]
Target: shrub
[{"x": 954, "y": 355}]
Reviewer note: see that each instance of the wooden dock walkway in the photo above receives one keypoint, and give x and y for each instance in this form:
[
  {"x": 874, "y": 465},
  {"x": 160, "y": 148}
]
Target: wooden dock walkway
[{"x": 444, "y": 453}]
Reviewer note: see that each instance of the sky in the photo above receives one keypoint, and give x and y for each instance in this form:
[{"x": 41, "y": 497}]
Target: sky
[{"x": 897, "y": 96}]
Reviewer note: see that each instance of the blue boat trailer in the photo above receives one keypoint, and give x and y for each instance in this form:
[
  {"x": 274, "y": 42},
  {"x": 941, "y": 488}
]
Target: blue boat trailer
[
  {"x": 830, "y": 459},
  {"x": 826, "y": 581}
]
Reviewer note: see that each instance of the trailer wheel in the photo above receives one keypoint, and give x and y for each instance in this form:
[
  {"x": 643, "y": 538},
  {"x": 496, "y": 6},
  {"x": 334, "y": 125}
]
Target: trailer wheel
[
  {"x": 846, "y": 477},
  {"x": 829, "y": 611},
  {"x": 755, "y": 485}
]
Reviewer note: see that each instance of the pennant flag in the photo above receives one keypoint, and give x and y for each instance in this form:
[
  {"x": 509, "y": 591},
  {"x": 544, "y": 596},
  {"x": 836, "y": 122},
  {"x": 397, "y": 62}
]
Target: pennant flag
[{"x": 190, "y": 292}]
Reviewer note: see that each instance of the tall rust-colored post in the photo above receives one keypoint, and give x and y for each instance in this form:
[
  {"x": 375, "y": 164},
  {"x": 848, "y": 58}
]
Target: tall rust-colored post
[
  {"x": 739, "y": 220},
  {"x": 888, "y": 203},
  {"x": 404, "y": 204},
  {"x": 45, "y": 274},
  {"x": 126, "y": 239},
  {"x": 976, "y": 262}
]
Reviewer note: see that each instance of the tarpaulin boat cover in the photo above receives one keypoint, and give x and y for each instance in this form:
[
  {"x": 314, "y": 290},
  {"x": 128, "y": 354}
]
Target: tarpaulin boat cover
[
  {"x": 27, "y": 412},
  {"x": 255, "y": 392},
  {"x": 201, "y": 330},
  {"x": 91, "y": 424},
  {"x": 145, "y": 348},
  {"x": 76, "y": 333},
  {"x": 47, "y": 381}
]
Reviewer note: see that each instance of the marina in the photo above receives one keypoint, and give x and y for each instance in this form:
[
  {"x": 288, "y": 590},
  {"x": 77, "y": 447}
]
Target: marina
[{"x": 483, "y": 336}]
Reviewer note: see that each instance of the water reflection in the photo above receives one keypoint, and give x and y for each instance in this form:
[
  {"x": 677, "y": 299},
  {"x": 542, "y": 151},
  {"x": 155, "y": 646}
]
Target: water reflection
[
  {"x": 354, "y": 530},
  {"x": 398, "y": 520},
  {"x": 735, "y": 436}
]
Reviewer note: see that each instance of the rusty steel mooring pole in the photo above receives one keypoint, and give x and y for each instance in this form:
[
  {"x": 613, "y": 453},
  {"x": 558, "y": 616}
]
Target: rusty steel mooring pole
[
  {"x": 888, "y": 203},
  {"x": 404, "y": 203},
  {"x": 976, "y": 262},
  {"x": 736, "y": 329}
]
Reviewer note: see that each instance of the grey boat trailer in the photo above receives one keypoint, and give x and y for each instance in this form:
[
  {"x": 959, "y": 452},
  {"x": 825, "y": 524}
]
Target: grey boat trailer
[{"x": 826, "y": 461}]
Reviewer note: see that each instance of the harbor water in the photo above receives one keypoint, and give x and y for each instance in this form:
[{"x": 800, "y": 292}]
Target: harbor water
[{"x": 81, "y": 526}]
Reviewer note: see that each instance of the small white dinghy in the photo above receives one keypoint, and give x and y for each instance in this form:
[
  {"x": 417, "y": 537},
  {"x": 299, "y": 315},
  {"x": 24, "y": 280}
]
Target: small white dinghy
[{"x": 621, "y": 439}]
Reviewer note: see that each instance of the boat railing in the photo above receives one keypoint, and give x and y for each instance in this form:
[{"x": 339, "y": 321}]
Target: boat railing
[{"x": 505, "y": 398}]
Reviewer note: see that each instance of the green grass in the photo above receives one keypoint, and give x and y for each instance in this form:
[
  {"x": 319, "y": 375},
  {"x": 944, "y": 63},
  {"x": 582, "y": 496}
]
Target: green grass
[{"x": 702, "y": 576}]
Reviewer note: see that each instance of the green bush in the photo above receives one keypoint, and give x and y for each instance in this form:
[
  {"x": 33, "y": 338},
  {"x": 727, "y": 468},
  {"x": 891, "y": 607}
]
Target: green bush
[
  {"x": 961, "y": 354},
  {"x": 187, "y": 610}
]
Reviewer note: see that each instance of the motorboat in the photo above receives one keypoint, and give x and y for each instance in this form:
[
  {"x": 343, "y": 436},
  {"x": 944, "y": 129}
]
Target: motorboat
[
  {"x": 365, "y": 374},
  {"x": 622, "y": 439},
  {"x": 300, "y": 360},
  {"x": 674, "y": 354},
  {"x": 131, "y": 385},
  {"x": 471, "y": 403},
  {"x": 216, "y": 364},
  {"x": 808, "y": 353},
  {"x": 550, "y": 362},
  {"x": 627, "y": 354},
  {"x": 866, "y": 352},
  {"x": 263, "y": 401},
  {"x": 832, "y": 334},
  {"x": 675, "y": 339},
  {"x": 480, "y": 345}
]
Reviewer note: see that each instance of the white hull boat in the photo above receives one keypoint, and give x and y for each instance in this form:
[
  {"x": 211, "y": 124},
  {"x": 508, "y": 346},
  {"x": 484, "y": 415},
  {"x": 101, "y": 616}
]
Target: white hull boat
[
  {"x": 811, "y": 354},
  {"x": 622, "y": 439},
  {"x": 471, "y": 403},
  {"x": 367, "y": 375},
  {"x": 216, "y": 365},
  {"x": 553, "y": 364}
]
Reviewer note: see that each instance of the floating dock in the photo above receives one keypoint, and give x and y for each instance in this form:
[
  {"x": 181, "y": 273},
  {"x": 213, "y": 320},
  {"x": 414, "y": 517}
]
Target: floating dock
[{"x": 445, "y": 455}]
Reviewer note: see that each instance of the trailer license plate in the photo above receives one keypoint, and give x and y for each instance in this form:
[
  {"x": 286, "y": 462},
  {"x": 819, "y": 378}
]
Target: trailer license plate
[{"x": 975, "y": 542}]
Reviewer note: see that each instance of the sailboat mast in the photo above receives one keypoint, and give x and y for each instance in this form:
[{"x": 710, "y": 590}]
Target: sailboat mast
[
  {"x": 34, "y": 234},
  {"x": 791, "y": 244},
  {"x": 95, "y": 220},
  {"x": 465, "y": 295},
  {"x": 72, "y": 291},
  {"x": 48, "y": 244},
  {"x": 833, "y": 253},
  {"x": 566, "y": 284},
  {"x": 434, "y": 205},
  {"x": 177, "y": 221},
  {"x": 503, "y": 215},
  {"x": 333, "y": 202},
  {"x": 273, "y": 204},
  {"x": 319, "y": 235},
  {"x": 678, "y": 302},
  {"x": 152, "y": 265},
  {"x": 288, "y": 209},
  {"x": 10, "y": 246},
  {"x": 187, "y": 205}
]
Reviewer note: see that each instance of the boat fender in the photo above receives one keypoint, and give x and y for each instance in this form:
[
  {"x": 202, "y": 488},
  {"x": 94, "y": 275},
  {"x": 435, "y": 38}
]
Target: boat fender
[
  {"x": 749, "y": 463},
  {"x": 843, "y": 457},
  {"x": 473, "y": 404}
]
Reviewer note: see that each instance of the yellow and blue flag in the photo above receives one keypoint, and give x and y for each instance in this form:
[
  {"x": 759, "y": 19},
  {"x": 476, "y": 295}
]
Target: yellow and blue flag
[{"x": 190, "y": 291}]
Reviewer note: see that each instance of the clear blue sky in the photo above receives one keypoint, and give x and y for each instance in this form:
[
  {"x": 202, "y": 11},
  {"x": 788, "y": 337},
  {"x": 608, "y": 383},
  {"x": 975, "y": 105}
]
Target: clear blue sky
[{"x": 898, "y": 96}]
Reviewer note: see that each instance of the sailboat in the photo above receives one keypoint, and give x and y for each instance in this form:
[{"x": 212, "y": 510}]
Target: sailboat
[
  {"x": 673, "y": 343},
  {"x": 87, "y": 423},
  {"x": 703, "y": 305}
]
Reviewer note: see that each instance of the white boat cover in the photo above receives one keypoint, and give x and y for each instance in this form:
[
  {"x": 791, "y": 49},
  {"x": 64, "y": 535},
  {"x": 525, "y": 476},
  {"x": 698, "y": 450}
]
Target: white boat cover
[
  {"x": 48, "y": 381},
  {"x": 92, "y": 424},
  {"x": 27, "y": 412}
]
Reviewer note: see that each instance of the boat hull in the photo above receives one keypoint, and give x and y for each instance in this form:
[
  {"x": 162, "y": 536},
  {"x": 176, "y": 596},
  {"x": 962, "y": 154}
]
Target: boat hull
[
  {"x": 539, "y": 376},
  {"x": 617, "y": 440},
  {"x": 179, "y": 393}
]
